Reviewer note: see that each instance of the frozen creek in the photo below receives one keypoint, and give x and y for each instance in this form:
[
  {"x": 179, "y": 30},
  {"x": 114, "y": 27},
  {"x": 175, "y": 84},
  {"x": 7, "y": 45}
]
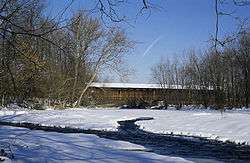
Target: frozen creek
[{"x": 192, "y": 148}]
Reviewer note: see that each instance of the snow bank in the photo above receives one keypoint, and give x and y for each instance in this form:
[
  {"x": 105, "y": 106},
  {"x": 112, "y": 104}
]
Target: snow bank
[
  {"x": 231, "y": 126},
  {"x": 12, "y": 109},
  {"x": 43, "y": 147}
]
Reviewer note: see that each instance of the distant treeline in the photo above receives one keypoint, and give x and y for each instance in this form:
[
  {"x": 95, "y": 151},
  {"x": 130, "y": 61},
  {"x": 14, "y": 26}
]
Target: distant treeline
[
  {"x": 226, "y": 70},
  {"x": 53, "y": 57}
]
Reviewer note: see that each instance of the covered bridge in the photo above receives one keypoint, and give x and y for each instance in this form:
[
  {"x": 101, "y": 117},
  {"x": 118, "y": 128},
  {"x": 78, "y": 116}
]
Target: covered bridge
[{"x": 126, "y": 93}]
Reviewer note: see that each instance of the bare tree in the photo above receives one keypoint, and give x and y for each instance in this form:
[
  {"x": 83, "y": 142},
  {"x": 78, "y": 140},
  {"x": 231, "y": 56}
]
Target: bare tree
[{"x": 111, "y": 47}]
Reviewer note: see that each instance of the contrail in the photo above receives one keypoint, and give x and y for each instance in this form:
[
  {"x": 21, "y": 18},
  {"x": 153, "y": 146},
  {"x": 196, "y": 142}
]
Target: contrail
[{"x": 151, "y": 45}]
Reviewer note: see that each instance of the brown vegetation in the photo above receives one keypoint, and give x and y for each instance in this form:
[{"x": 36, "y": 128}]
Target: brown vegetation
[{"x": 227, "y": 72}]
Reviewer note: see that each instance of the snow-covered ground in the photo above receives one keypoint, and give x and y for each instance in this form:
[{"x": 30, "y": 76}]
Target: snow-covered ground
[
  {"x": 233, "y": 126},
  {"x": 39, "y": 146}
]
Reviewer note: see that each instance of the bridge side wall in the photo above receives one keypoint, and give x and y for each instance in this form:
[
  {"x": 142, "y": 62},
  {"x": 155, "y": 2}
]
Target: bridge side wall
[{"x": 121, "y": 96}]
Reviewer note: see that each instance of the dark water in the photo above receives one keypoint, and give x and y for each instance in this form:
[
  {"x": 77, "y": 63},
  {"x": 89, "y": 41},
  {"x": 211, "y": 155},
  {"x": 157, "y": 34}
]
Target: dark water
[
  {"x": 193, "y": 148},
  {"x": 187, "y": 147},
  {"x": 174, "y": 145}
]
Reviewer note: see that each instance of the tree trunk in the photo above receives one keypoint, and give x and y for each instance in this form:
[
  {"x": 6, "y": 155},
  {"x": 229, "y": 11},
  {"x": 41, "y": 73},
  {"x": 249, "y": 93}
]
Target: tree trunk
[
  {"x": 75, "y": 80},
  {"x": 84, "y": 90}
]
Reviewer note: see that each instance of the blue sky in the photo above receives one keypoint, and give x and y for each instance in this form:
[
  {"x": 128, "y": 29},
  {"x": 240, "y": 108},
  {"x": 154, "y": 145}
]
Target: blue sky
[{"x": 177, "y": 27}]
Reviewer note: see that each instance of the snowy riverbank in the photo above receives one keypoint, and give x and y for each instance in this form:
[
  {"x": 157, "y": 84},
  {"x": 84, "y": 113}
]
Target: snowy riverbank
[
  {"x": 31, "y": 146},
  {"x": 231, "y": 126}
]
